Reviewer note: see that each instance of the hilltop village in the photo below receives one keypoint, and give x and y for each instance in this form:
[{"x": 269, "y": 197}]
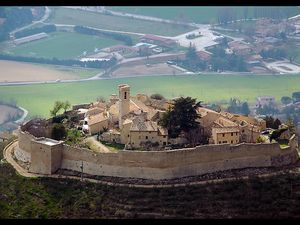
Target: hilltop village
[{"x": 133, "y": 122}]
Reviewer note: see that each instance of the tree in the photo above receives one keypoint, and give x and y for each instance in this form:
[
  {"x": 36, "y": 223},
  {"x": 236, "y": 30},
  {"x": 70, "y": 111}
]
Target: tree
[
  {"x": 58, "y": 105},
  {"x": 73, "y": 136},
  {"x": 182, "y": 117},
  {"x": 286, "y": 100},
  {"x": 291, "y": 125},
  {"x": 276, "y": 134},
  {"x": 245, "y": 12},
  {"x": 191, "y": 54},
  {"x": 245, "y": 109},
  {"x": 66, "y": 105},
  {"x": 260, "y": 139},
  {"x": 296, "y": 96},
  {"x": 272, "y": 123},
  {"x": 292, "y": 54}
]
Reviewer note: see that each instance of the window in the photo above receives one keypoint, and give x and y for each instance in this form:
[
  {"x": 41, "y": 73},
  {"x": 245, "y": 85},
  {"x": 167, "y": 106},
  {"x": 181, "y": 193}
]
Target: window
[
  {"x": 146, "y": 137},
  {"x": 164, "y": 136},
  {"x": 219, "y": 142},
  {"x": 125, "y": 95},
  {"x": 223, "y": 135},
  {"x": 224, "y": 141},
  {"x": 236, "y": 133},
  {"x": 128, "y": 135},
  {"x": 231, "y": 142},
  {"x": 164, "y": 143},
  {"x": 231, "y": 134}
]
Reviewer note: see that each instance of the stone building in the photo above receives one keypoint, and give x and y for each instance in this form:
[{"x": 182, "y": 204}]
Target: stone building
[{"x": 133, "y": 123}]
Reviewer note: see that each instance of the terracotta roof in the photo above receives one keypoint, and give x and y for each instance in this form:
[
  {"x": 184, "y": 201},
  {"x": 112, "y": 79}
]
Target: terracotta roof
[
  {"x": 140, "y": 123},
  {"x": 204, "y": 55},
  {"x": 94, "y": 111},
  {"x": 219, "y": 130},
  {"x": 96, "y": 118},
  {"x": 224, "y": 122},
  {"x": 162, "y": 131}
]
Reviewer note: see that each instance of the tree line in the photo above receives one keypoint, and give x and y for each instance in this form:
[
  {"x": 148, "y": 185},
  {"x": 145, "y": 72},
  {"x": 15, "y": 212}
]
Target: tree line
[
  {"x": 219, "y": 61},
  {"x": 64, "y": 62},
  {"x": 226, "y": 15},
  {"x": 120, "y": 37},
  {"x": 46, "y": 29}
]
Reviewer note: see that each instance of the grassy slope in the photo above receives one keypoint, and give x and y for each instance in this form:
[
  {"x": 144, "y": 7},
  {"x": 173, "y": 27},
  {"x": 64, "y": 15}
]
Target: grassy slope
[
  {"x": 77, "y": 17},
  {"x": 199, "y": 14},
  {"x": 63, "y": 45},
  {"x": 39, "y": 99},
  {"x": 51, "y": 198}
]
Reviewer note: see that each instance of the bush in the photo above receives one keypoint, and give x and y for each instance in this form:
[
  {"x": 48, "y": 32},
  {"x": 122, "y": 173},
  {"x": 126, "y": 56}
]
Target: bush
[
  {"x": 45, "y": 29},
  {"x": 59, "y": 119},
  {"x": 157, "y": 97},
  {"x": 58, "y": 132}
]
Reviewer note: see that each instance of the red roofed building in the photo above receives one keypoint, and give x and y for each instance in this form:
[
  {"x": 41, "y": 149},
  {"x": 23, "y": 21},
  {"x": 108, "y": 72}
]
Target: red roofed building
[
  {"x": 153, "y": 39},
  {"x": 205, "y": 56}
]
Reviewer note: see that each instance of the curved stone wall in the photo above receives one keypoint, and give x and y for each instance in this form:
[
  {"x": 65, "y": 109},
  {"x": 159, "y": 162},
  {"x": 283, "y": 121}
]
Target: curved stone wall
[{"x": 158, "y": 164}]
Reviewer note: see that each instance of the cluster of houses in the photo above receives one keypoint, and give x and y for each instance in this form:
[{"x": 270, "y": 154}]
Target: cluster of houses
[
  {"x": 133, "y": 121},
  {"x": 149, "y": 45}
]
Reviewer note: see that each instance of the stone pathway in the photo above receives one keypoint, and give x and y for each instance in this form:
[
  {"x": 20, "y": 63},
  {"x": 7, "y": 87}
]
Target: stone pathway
[{"x": 96, "y": 145}]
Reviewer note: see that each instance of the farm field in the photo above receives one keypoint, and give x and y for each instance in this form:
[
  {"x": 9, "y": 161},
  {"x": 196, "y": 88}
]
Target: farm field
[
  {"x": 197, "y": 14},
  {"x": 12, "y": 71},
  {"x": 62, "y": 45},
  {"x": 78, "y": 17},
  {"x": 142, "y": 70},
  {"x": 40, "y": 99}
]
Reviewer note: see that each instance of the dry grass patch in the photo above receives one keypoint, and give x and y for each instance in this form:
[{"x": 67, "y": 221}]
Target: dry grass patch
[{"x": 20, "y": 72}]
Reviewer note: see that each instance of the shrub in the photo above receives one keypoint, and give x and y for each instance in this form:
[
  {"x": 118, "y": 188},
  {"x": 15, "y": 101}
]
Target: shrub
[
  {"x": 157, "y": 97},
  {"x": 58, "y": 132}
]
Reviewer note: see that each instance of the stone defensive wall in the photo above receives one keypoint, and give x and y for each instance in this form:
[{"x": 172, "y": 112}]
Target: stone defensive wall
[{"x": 47, "y": 156}]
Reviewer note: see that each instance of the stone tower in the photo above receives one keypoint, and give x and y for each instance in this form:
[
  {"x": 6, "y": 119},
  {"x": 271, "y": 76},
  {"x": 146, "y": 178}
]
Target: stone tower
[{"x": 124, "y": 102}]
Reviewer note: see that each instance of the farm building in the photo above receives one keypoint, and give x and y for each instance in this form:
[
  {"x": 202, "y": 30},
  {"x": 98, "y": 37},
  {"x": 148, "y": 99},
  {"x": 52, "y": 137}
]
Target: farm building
[
  {"x": 205, "y": 56},
  {"x": 239, "y": 47},
  {"x": 30, "y": 38}
]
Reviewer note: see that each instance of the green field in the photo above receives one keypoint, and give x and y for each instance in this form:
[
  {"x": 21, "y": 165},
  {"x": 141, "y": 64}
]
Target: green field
[
  {"x": 39, "y": 99},
  {"x": 63, "y": 45},
  {"x": 197, "y": 14},
  {"x": 78, "y": 17}
]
